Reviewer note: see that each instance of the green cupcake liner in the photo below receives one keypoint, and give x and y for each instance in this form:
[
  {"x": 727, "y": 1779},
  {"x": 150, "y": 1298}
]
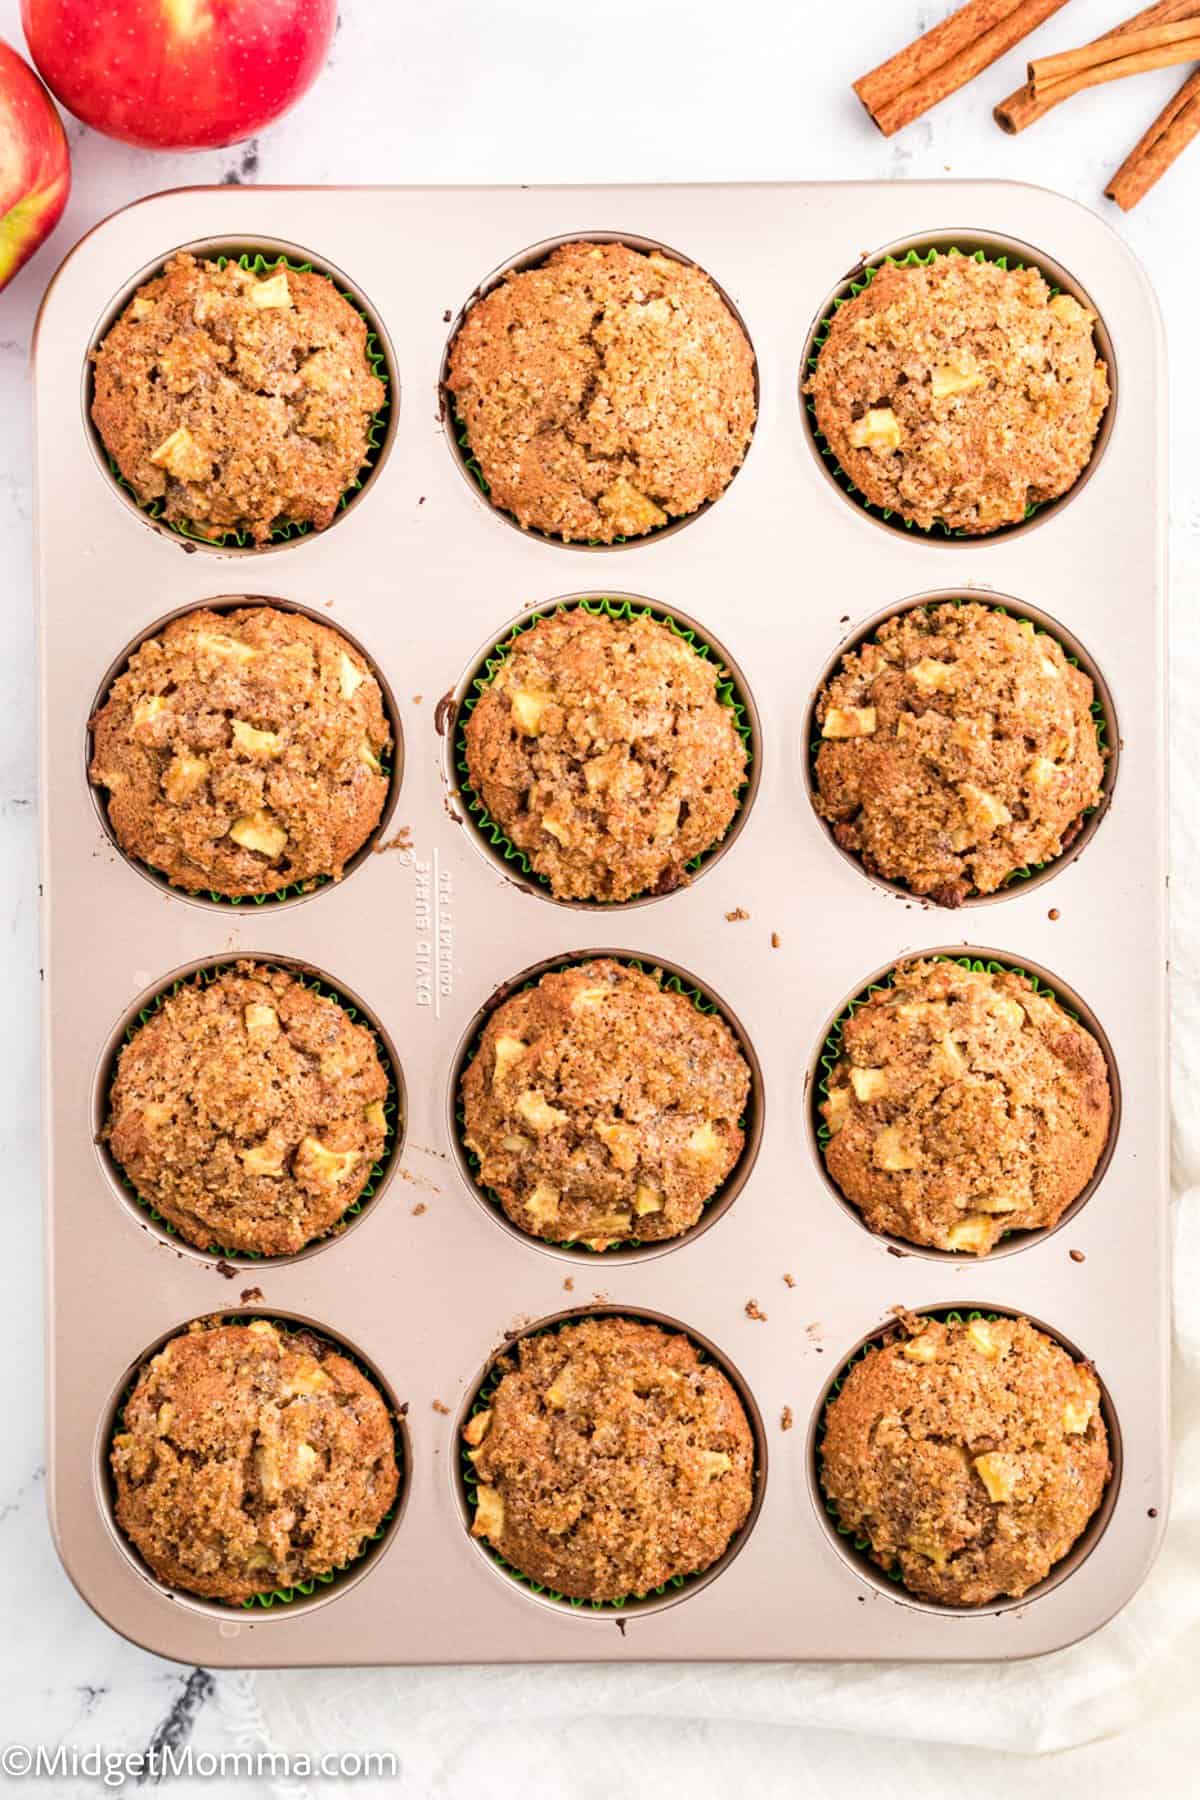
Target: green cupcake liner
[
  {"x": 470, "y": 1485},
  {"x": 390, "y": 1108},
  {"x": 913, "y": 259},
  {"x": 598, "y": 607},
  {"x": 833, "y": 1042},
  {"x": 1100, "y": 718},
  {"x": 674, "y": 984},
  {"x": 301, "y": 1590},
  {"x": 861, "y": 1544},
  {"x": 257, "y": 264}
]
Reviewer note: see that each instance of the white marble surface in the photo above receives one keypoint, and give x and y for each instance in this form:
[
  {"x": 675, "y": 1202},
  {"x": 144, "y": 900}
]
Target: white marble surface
[{"x": 535, "y": 90}]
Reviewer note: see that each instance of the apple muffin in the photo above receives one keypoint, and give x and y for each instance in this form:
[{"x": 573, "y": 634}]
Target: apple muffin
[
  {"x": 251, "y": 1458},
  {"x": 604, "y": 751},
  {"x": 243, "y": 752},
  {"x": 610, "y": 1458},
  {"x": 958, "y": 393},
  {"x": 237, "y": 402},
  {"x": 603, "y": 393},
  {"x": 963, "y": 1105},
  {"x": 957, "y": 747},
  {"x": 249, "y": 1111},
  {"x": 602, "y": 1105},
  {"x": 970, "y": 1454}
]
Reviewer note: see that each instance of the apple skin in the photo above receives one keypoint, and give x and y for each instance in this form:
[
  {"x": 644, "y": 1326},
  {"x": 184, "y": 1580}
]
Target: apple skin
[
  {"x": 35, "y": 163},
  {"x": 179, "y": 74}
]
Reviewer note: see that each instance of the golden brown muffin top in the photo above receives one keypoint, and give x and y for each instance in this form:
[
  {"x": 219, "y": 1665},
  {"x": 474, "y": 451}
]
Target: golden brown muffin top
[
  {"x": 958, "y": 393},
  {"x": 249, "y": 1110},
  {"x": 964, "y": 1105},
  {"x": 970, "y": 1454},
  {"x": 602, "y": 1106},
  {"x": 604, "y": 751},
  {"x": 604, "y": 392},
  {"x": 240, "y": 402},
  {"x": 956, "y": 748},
  {"x": 251, "y": 1458},
  {"x": 610, "y": 1459},
  {"x": 242, "y": 751}
]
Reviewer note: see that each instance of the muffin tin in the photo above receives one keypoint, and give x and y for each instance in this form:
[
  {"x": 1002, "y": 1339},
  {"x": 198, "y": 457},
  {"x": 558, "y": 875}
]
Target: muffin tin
[{"x": 421, "y": 573}]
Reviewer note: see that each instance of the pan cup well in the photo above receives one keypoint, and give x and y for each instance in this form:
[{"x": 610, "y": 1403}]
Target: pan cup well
[
  {"x": 681, "y": 1587},
  {"x": 987, "y": 246},
  {"x": 826, "y": 1053},
  {"x": 294, "y": 892},
  {"x": 456, "y": 430},
  {"x": 143, "y": 1213},
  {"x": 853, "y": 1551},
  {"x": 1023, "y": 880},
  {"x": 681, "y": 981},
  {"x": 487, "y": 835},
  {"x": 262, "y": 255},
  {"x": 279, "y": 1602}
]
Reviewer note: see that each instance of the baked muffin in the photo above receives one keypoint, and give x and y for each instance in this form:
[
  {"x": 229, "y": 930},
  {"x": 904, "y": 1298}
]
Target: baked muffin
[
  {"x": 956, "y": 748},
  {"x": 603, "y": 750},
  {"x": 958, "y": 393},
  {"x": 603, "y": 393},
  {"x": 238, "y": 402},
  {"x": 242, "y": 752},
  {"x": 249, "y": 1110},
  {"x": 602, "y": 1106},
  {"x": 610, "y": 1459},
  {"x": 251, "y": 1458},
  {"x": 970, "y": 1455},
  {"x": 964, "y": 1105}
]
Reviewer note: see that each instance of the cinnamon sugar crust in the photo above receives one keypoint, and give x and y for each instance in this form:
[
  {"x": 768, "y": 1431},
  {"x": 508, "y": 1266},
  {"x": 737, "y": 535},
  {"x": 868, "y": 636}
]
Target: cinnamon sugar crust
[
  {"x": 971, "y": 1455},
  {"x": 250, "y": 1459},
  {"x": 611, "y": 1458},
  {"x": 603, "y": 393},
  {"x": 249, "y": 1111},
  {"x": 239, "y": 402},
  {"x": 602, "y": 1105},
  {"x": 603, "y": 750},
  {"x": 964, "y": 1105},
  {"x": 242, "y": 751},
  {"x": 957, "y": 748},
  {"x": 958, "y": 393}
]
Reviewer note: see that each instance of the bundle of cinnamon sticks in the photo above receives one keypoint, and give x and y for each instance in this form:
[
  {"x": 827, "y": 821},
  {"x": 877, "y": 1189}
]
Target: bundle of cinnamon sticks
[{"x": 971, "y": 39}]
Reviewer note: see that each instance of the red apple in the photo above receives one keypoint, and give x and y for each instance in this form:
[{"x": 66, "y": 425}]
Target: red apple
[
  {"x": 35, "y": 164},
  {"x": 179, "y": 74}
]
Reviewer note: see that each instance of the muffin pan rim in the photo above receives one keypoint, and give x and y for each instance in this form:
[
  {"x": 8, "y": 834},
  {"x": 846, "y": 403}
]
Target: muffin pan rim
[
  {"x": 422, "y": 932},
  {"x": 895, "y": 1590},
  {"x": 1067, "y": 641}
]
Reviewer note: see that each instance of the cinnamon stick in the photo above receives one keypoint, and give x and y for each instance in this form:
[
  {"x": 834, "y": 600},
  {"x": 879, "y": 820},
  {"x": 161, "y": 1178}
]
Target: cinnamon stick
[
  {"x": 1171, "y": 133},
  {"x": 1023, "y": 108},
  {"x": 946, "y": 58},
  {"x": 1111, "y": 59}
]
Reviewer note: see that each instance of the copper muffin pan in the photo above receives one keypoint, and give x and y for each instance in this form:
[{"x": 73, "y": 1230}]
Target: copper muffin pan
[{"x": 779, "y": 929}]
